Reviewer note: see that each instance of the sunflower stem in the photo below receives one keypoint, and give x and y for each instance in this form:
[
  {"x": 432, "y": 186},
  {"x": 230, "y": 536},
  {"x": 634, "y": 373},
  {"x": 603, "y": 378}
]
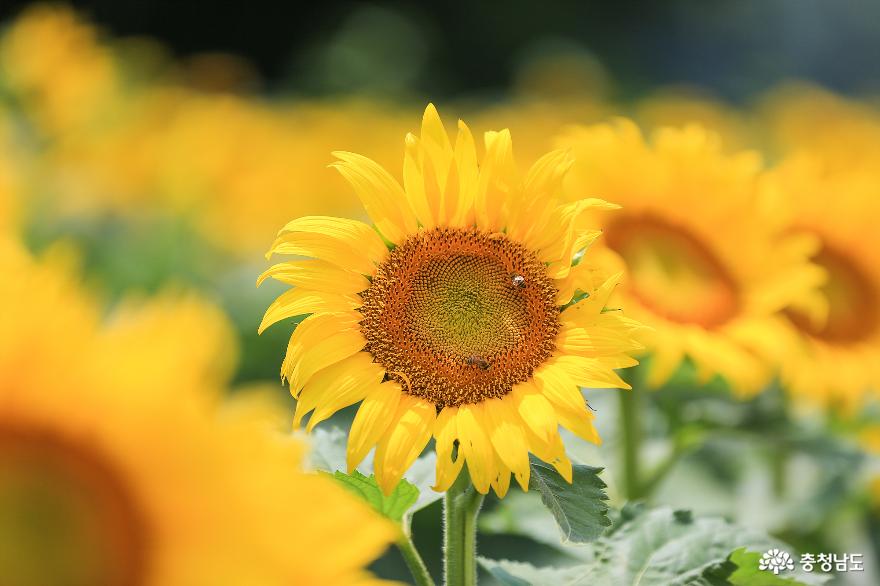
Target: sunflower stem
[
  {"x": 411, "y": 556},
  {"x": 632, "y": 438},
  {"x": 461, "y": 505}
]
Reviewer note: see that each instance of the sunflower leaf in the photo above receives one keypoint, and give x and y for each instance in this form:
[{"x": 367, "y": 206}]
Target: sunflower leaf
[
  {"x": 393, "y": 506},
  {"x": 510, "y": 573},
  {"x": 660, "y": 547},
  {"x": 580, "y": 508}
]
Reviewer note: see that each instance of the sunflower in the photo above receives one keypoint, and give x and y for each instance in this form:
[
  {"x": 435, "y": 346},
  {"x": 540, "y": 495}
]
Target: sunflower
[
  {"x": 834, "y": 361},
  {"x": 702, "y": 238},
  {"x": 459, "y": 316},
  {"x": 136, "y": 480}
]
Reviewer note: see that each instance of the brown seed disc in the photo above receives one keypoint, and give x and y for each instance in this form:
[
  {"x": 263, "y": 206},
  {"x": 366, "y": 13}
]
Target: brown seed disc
[
  {"x": 72, "y": 516},
  {"x": 458, "y": 316},
  {"x": 853, "y": 315}
]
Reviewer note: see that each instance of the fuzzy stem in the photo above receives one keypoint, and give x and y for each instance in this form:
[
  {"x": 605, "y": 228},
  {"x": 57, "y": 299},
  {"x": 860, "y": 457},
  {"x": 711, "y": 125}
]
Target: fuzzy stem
[{"x": 461, "y": 505}]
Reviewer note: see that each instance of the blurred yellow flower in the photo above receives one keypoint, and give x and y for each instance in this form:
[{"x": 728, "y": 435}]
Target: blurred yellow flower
[
  {"x": 469, "y": 329},
  {"x": 836, "y": 361},
  {"x": 134, "y": 475},
  {"x": 681, "y": 106},
  {"x": 53, "y": 63},
  {"x": 707, "y": 263},
  {"x": 798, "y": 117}
]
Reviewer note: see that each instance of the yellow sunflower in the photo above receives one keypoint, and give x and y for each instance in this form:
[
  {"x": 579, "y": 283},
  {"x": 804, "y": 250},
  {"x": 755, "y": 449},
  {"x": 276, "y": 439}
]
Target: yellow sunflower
[
  {"x": 836, "y": 361},
  {"x": 128, "y": 480},
  {"x": 456, "y": 317},
  {"x": 702, "y": 238}
]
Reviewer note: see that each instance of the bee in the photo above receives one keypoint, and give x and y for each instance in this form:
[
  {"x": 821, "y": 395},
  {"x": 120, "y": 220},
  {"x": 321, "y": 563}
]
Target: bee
[
  {"x": 478, "y": 361},
  {"x": 519, "y": 281}
]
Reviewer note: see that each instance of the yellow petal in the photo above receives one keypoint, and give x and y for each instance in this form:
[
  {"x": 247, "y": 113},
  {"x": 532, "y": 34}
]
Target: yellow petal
[
  {"x": 584, "y": 313},
  {"x": 346, "y": 243},
  {"x": 411, "y": 428},
  {"x": 302, "y": 301},
  {"x": 508, "y": 439},
  {"x": 497, "y": 180},
  {"x": 381, "y": 195},
  {"x": 475, "y": 447},
  {"x": 595, "y": 341},
  {"x": 338, "y": 386},
  {"x": 552, "y": 452},
  {"x": 501, "y": 482},
  {"x": 414, "y": 182},
  {"x": 535, "y": 410},
  {"x": 372, "y": 419},
  {"x": 317, "y": 275},
  {"x": 317, "y": 342},
  {"x": 532, "y": 211},
  {"x": 445, "y": 434},
  {"x": 581, "y": 423},
  {"x": 587, "y": 372},
  {"x": 558, "y": 387},
  {"x": 468, "y": 176}
]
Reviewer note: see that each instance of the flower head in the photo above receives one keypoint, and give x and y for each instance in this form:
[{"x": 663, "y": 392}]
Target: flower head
[
  {"x": 134, "y": 475},
  {"x": 463, "y": 314},
  {"x": 832, "y": 359},
  {"x": 703, "y": 239}
]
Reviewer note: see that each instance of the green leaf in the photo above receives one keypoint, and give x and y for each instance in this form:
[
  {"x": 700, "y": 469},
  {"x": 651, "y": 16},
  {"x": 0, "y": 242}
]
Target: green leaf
[
  {"x": 393, "y": 506},
  {"x": 580, "y": 508},
  {"x": 510, "y": 573},
  {"x": 328, "y": 454},
  {"x": 661, "y": 547}
]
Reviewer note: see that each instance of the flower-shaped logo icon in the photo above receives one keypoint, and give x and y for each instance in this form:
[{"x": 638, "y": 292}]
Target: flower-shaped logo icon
[{"x": 776, "y": 561}]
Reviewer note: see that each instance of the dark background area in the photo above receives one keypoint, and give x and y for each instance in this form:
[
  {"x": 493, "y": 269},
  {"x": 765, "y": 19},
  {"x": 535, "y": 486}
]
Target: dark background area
[{"x": 731, "y": 48}]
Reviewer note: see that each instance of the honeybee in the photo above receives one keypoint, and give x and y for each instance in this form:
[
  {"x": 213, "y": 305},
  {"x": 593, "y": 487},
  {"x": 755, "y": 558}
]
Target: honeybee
[
  {"x": 478, "y": 361},
  {"x": 519, "y": 281}
]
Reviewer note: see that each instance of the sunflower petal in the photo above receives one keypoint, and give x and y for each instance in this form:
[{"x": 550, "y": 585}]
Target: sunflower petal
[
  {"x": 338, "y": 386},
  {"x": 302, "y": 301},
  {"x": 445, "y": 434},
  {"x": 372, "y": 419},
  {"x": 317, "y": 275},
  {"x": 317, "y": 342},
  {"x": 380, "y": 193},
  {"x": 507, "y": 437},
  {"x": 475, "y": 446},
  {"x": 346, "y": 243},
  {"x": 411, "y": 428}
]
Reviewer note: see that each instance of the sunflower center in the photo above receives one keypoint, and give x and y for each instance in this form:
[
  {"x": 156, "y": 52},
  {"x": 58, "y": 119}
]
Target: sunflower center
[
  {"x": 458, "y": 316},
  {"x": 672, "y": 272},
  {"x": 65, "y": 515},
  {"x": 853, "y": 314}
]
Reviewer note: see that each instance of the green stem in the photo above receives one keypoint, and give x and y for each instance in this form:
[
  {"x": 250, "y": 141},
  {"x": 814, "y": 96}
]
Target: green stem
[
  {"x": 413, "y": 560},
  {"x": 461, "y": 505},
  {"x": 632, "y": 438}
]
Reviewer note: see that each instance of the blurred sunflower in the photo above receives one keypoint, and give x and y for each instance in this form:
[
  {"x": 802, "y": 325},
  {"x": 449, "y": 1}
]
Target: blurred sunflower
[
  {"x": 836, "y": 360},
  {"x": 468, "y": 329},
  {"x": 110, "y": 479},
  {"x": 702, "y": 241},
  {"x": 58, "y": 71}
]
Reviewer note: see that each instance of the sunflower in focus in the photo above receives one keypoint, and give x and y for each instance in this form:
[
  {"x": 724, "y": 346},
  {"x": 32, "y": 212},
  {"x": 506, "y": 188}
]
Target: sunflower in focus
[
  {"x": 702, "y": 238},
  {"x": 120, "y": 480},
  {"x": 463, "y": 314},
  {"x": 836, "y": 361}
]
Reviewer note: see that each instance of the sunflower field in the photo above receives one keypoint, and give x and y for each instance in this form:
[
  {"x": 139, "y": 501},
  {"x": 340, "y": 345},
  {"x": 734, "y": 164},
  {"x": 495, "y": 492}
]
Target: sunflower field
[{"x": 359, "y": 320}]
